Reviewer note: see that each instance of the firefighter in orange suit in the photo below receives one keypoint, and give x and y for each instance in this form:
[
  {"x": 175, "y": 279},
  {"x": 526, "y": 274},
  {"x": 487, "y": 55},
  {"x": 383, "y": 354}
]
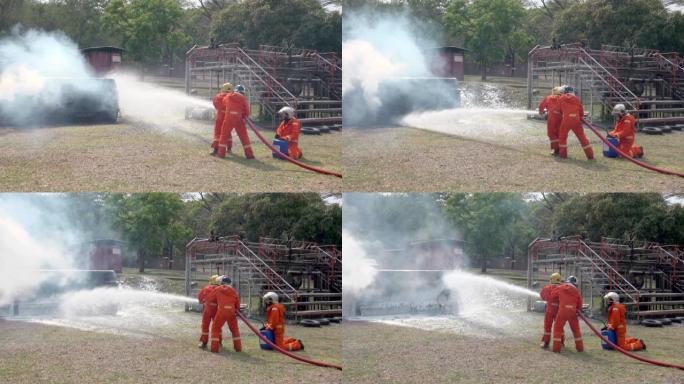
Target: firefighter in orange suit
[
  {"x": 220, "y": 114},
  {"x": 624, "y": 132},
  {"x": 553, "y": 117},
  {"x": 569, "y": 302},
  {"x": 289, "y": 131},
  {"x": 228, "y": 303},
  {"x": 237, "y": 109},
  {"x": 572, "y": 111},
  {"x": 617, "y": 322},
  {"x": 209, "y": 309},
  {"x": 551, "y": 307},
  {"x": 275, "y": 320}
]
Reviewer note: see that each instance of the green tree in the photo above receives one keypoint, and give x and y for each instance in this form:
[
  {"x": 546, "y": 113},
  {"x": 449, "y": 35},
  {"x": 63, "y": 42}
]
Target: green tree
[
  {"x": 150, "y": 30},
  {"x": 490, "y": 29},
  {"x": 490, "y": 223},
  {"x": 295, "y": 23},
  {"x": 149, "y": 222}
]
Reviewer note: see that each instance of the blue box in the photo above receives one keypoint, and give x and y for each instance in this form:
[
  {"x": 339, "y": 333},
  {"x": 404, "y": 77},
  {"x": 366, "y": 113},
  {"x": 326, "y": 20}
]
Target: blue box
[
  {"x": 608, "y": 151},
  {"x": 610, "y": 335},
  {"x": 267, "y": 333},
  {"x": 282, "y": 146}
]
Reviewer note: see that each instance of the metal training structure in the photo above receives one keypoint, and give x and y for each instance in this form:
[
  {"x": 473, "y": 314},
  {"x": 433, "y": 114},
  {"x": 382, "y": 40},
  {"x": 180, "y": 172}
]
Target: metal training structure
[
  {"x": 306, "y": 276},
  {"x": 648, "y": 277},
  {"x": 308, "y": 81},
  {"x": 648, "y": 82}
]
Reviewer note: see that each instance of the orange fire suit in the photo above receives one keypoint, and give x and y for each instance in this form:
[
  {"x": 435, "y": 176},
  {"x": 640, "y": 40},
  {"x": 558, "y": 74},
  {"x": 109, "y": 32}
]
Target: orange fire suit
[
  {"x": 220, "y": 115},
  {"x": 569, "y": 302},
  {"x": 550, "y": 311},
  {"x": 228, "y": 302},
  {"x": 624, "y": 132},
  {"x": 237, "y": 109},
  {"x": 208, "y": 313},
  {"x": 553, "y": 119},
  {"x": 290, "y": 132},
  {"x": 616, "y": 321},
  {"x": 275, "y": 317},
  {"x": 572, "y": 111}
]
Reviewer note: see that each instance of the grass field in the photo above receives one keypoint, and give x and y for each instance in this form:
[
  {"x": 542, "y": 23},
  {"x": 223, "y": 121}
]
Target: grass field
[
  {"x": 392, "y": 354},
  {"x": 156, "y": 345},
  {"x": 133, "y": 156},
  {"x": 489, "y": 151}
]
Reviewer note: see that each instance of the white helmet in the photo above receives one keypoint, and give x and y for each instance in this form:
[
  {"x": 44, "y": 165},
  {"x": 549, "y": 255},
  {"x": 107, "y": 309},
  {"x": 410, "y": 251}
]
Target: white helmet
[
  {"x": 271, "y": 297},
  {"x": 289, "y": 112},
  {"x": 612, "y": 296},
  {"x": 619, "y": 109}
]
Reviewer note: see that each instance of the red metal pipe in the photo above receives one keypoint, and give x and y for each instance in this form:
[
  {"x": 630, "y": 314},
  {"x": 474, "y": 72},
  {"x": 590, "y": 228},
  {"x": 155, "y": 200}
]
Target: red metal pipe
[
  {"x": 630, "y": 158},
  {"x": 624, "y": 351},
  {"x": 284, "y": 352},
  {"x": 288, "y": 158}
]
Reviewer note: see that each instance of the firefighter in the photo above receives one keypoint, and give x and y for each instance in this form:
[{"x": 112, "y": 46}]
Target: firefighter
[
  {"x": 553, "y": 117},
  {"x": 289, "y": 131},
  {"x": 237, "y": 109},
  {"x": 220, "y": 114},
  {"x": 617, "y": 322},
  {"x": 569, "y": 303},
  {"x": 228, "y": 303},
  {"x": 572, "y": 113},
  {"x": 551, "y": 307},
  {"x": 240, "y": 89},
  {"x": 624, "y": 132},
  {"x": 209, "y": 309},
  {"x": 275, "y": 320}
]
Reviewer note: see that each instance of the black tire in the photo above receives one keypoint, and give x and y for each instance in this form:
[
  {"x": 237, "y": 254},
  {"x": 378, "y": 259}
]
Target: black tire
[
  {"x": 334, "y": 320},
  {"x": 323, "y": 321},
  {"x": 324, "y": 129},
  {"x": 676, "y": 319},
  {"x": 681, "y": 319},
  {"x": 677, "y": 127},
  {"x": 310, "y": 131},
  {"x": 309, "y": 323},
  {"x": 666, "y": 129},
  {"x": 666, "y": 321},
  {"x": 335, "y": 127},
  {"x": 651, "y": 131},
  {"x": 651, "y": 323}
]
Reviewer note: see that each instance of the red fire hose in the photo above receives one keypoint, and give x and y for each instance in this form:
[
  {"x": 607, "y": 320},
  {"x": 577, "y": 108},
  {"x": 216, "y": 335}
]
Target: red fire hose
[
  {"x": 288, "y": 158},
  {"x": 624, "y": 351},
  {"x": 630, "y": 158},
  {"x": 284, "y": 352}
]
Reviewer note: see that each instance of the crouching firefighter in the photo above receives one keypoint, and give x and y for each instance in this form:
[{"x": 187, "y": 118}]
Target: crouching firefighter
[
  {"x": 275, "y": 320},
  {"x": 617, "y": 322},
  {"x": 289, "y": 130},
  {"x": 228, "y": 303},
  {"x": 624, "y": 132},
  {"x": 569, "y": 303},
  {"x": 209, "y": 309},
  {"x": 551, "y": 307}
]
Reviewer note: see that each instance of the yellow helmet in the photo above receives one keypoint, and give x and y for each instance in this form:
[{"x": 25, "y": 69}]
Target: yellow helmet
[
  {"x": 556, "y": 90},
  {"x": 213, "y": 280},
  {"x": 555, "y": 278},
  {"x": 227, "y": 87}
]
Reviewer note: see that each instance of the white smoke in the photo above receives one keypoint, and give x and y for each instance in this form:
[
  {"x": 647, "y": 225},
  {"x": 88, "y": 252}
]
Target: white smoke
[
  {"x": 359, "y": 270},
  {"x": 32, "y": 238}
]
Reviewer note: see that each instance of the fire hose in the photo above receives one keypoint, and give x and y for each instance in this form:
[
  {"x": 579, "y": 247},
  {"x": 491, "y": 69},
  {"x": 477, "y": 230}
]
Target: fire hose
[
  {"x": 624, "y": 351},
  {"x": 288, "y": 158},
  {"x": 628, "y": 157},
  {"x": 284, "y": 352}
]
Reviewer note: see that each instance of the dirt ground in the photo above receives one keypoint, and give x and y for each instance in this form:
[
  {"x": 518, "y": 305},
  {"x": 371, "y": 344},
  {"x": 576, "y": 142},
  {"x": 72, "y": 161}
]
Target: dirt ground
[
  {"x": 135, "y": 157},
  {"x": 376, "y": 353},
  {"x": 408, "y": 159},
  {"x": 153, "y": 345}
]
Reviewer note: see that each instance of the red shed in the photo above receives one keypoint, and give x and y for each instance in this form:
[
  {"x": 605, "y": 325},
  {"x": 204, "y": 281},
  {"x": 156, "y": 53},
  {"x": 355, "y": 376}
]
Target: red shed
[
  {"x": 103, "y": 59},
  {"x": 447, "y": 62},
  {"x": 106, "y": 254}
]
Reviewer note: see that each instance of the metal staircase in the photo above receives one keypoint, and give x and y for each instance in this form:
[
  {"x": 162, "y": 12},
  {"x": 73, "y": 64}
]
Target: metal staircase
[
  {"x": 275, "y": 77},
  {"x": 301, "y": 273},
  {"x": 649, "y": 83},
  {"x": 647, "y": 276}
]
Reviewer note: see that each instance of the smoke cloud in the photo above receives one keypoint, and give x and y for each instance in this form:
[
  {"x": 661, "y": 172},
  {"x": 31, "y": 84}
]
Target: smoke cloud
[
  {"x": 45, "y": 79},
  {"x": 387, "y": 71}
]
